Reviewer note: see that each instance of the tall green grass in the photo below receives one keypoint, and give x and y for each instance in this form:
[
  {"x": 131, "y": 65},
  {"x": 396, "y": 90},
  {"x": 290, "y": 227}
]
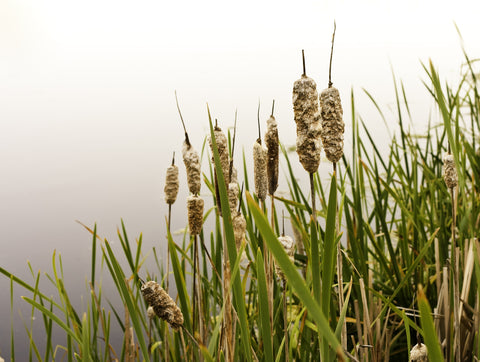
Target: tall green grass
[{"x": 395, "y": 237}]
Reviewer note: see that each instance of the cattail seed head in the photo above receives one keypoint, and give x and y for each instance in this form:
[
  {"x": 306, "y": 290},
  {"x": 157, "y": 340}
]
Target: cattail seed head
[
  {"x": 450, "y": 171},
  {"x": 163, "y": 306},
  {"x": 222, "y": 146},
  {"x": 260, "y": 170},
  {"x": 195, "y": 214},
  {"x": 332, "y": 124},
  {"x": 239, "y": 227},
  {"x": 192, "y": 164},
  {"x": 271, "y": 141},
  {"x": 233, "y": 191},
  {"x": 150, "y": 312},
  {"x": 171, "y": 184},
  {"x": 307, "y": 118},
  {"x": 289, "y": 247},
  {"x": 419, "y": 353}
]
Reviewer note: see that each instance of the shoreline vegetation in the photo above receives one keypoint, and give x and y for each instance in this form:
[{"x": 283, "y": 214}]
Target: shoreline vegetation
[{"x": 383, "y": 263}]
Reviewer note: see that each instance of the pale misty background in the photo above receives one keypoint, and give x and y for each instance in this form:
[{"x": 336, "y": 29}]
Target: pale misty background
[{"x": 88, "y": 121}]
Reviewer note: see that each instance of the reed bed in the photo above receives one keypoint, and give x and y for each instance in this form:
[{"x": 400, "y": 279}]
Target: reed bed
[{"x": 406, "y": 240}]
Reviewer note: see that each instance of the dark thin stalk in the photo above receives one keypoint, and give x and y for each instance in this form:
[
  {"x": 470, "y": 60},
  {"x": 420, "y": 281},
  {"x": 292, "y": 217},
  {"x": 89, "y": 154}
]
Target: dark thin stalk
[
  {"x": 273, "y": 106},
  {"x": 312, "y": 191},
  {"x": 181, "y": 118},
  {"x": 331, "y": 56},
  {"x": 285, "y": 319},
  {"x": 259, "y": 140},
  {"x": 303, "y": 61}
]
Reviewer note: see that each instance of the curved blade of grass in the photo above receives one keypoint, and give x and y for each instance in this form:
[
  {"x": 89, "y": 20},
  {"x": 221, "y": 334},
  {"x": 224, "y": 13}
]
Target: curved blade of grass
[
  {"x": 293, "y": 277},
  {"x": 264, "y": 310},
  {"x": 429, "y": 334}
]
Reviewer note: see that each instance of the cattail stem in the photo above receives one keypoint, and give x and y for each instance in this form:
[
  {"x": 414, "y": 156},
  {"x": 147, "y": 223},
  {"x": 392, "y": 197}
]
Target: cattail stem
[
  {"x": 312, "y": 191},
  {"x": 303, "y": 62},
  {"x": 285, "y": 319},
  {"x": 331, "y": 56},
  {"x": 455, "y": 281}
]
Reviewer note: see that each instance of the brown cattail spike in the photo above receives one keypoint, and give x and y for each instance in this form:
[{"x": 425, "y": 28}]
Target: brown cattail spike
[
  {"x": 171, "y": 183},
  {"x": 332, "y": 124},
  {"x": 307, "y": 118},
  {"x": 239, "y": 227},
  {"x": 260, "y": 170},
  {"x": 450, "y": 171},
  {"x": 419, "y": 353},
  {"x": 289, "y": 247},
  {"x": 195, "y": 214},
  {"x": 272, "y": 143},
  {"x": 192, "y": 164},
  {"x": 163, "y": 306},
  {"x": 222, "y": 146},
  {"x": 233, "y": 191}
]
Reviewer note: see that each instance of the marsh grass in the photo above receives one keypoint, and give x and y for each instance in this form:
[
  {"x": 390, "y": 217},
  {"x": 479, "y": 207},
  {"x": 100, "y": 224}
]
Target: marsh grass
[{"x": 395, "y": 241}]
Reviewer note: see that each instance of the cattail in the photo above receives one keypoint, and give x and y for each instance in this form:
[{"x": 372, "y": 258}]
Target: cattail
[
  {"x": 163, "y": 306},
  {"x": 332, "y": 124},
  {"x": 171, "y": 184},
  {"x": 195, "y": 214},
  {"x": 260, "y": 170},
  {"x": 271, "y": 141},
  {"x": 449, "y": 171},
  {"x": 239, "y": 227},
  {"x": 222, "y": 146},
  {"x": 419, "y": 353},
  {"x": 289, "y": 247},
  {"x": 307, "y": 118},
  {"x": 192, "y": 164},
  {"x": 150, "y": 312},
  {"x": 233, "y": 191}
]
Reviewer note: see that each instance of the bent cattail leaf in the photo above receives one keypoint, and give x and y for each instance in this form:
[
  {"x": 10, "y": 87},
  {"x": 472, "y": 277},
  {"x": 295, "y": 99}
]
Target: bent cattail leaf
[
  {"x": 163, "y": 306},
  {"x": 171, "y": 184},
  {"x": 233, "y": 191},
  {"x": 195, "y": 214},
  {"x": 332, "y": 124},
  {"x": 271, "y": 141},
  {"x": 192, "y": 164},
  {"x": 450, "y": 171},
  {"x": 222, "y": 146},
  {"x": 239, "y": 227},
  {"x": 298, "y": 237},
  {"x": 307, "y": 118},
  {"x": 419, "y": 353},
  {"x": 289, "y": 247},
  {"x": 260, "y": 170}
]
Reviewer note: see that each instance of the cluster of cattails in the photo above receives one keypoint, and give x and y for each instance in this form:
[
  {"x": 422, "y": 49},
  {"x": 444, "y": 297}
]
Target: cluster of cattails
[
  {"x": 161, "y": 304},
  {"x": 450, "y": 171},
  {"x": 419, "y": 353},
  {"x": 289, "y": 247}
]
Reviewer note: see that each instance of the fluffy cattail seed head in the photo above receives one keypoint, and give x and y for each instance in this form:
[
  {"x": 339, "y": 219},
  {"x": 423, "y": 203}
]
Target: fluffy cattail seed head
[
  {"x": 260, "y": 170},
  {"x": 171, "y": 184},
  {"x": 222, "y": 146},
  {"x": 192, "y": 164},
  {"x": 289, "y": 247},
  {"x": 239, "y": 227},
  {"x": 163, "y": 306},
  {"x": 233, "y": 191},
  {"x": 271, "y": 141},
  {"x": 307, "y": 118},
  {"x": 419, "y": 353},
  {"x": 332, "y": 124},
  {"x": 450, "y": 171},
  {"x": 150, "y": 312},
  {"x": 195, "y": 214}
]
